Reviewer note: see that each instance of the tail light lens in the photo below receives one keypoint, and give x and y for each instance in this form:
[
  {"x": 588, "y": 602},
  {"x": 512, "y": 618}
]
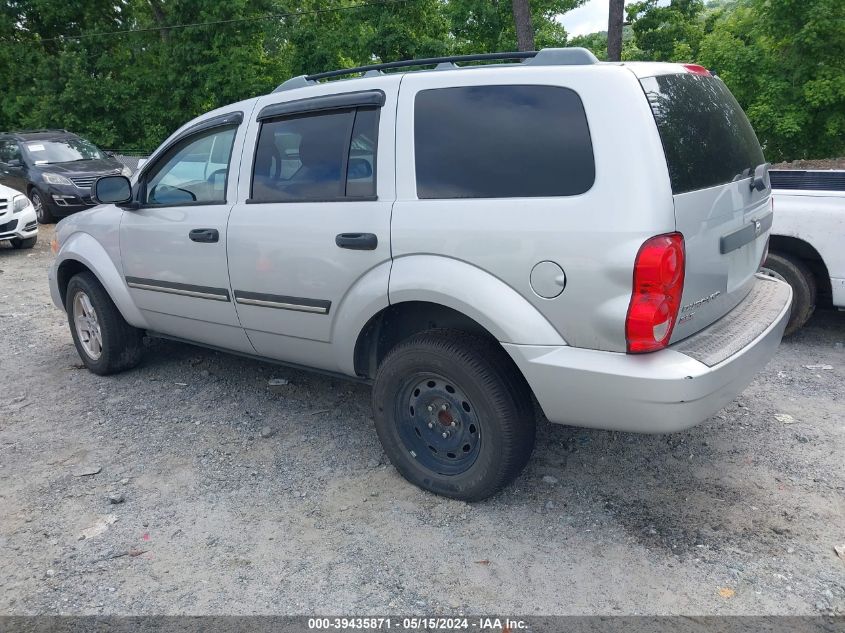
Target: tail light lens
[{"x": 656, "y": 296}]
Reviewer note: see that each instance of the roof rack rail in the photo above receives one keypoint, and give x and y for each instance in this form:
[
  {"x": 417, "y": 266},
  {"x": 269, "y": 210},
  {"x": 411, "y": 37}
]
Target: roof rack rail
[{"x": 547, "y": 57}]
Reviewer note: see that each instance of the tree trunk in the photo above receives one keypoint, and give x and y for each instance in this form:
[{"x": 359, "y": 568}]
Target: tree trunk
[
  {"x": 160, "y": 18},
  {"x": 614, "y": 30},
  {"x": 522, "y": 21}
]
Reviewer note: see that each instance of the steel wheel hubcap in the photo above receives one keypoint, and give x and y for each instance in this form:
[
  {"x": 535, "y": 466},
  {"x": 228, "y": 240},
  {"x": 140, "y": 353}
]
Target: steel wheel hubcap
[
  {"x": 87, "y": 325},
  {"x": 438, "y": 424}
]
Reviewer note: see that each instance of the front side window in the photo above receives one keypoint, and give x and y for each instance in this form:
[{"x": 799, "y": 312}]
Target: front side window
[
  {"x": 194, "y": 171},
  {"x": 317, "y": 157},
  {"x": 501, "y": 142},
  {"x": 65, "y": 150},
  {"x": 9, "y": 151}
]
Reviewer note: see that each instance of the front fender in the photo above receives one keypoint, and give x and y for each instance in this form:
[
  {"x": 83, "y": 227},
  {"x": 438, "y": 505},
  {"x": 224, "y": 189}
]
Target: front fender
[
  {"x": 86, "y": 250},
  {"x": 500, "y": 309}
]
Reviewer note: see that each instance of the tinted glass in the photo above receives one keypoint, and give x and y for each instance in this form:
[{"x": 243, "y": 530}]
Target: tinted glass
[
  {"x": 61, "y": 150},
  {"x": 501, "y": 142},
  {"x": 706, "y": 136},
  {"x": 302, "y": 158},
  {"x": 194, "y": 171},
  {"x": 361, "y": 169}
]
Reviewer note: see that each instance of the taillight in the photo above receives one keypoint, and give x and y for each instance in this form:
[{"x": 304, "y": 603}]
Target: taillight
[
  {"x": 695, "y": 69},
  {"x": 656, "y": 296}
]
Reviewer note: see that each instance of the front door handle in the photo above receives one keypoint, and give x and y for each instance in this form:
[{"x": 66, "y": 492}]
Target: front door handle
[
  {"x": 357, "y": 241},
  {"x": 204, "y": 235}
]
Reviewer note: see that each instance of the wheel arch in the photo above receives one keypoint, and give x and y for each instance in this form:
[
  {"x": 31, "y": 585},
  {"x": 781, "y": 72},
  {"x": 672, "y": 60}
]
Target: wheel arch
[
  {"x": 398, "y": 322},
  {"x": 788, "y": 245},
  {"x": 80, "y": 253}
]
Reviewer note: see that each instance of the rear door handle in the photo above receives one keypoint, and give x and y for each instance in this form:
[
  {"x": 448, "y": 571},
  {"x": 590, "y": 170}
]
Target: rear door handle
[
  {"x": 204, "y": 235},
  {"x": 357, "y": 241}
]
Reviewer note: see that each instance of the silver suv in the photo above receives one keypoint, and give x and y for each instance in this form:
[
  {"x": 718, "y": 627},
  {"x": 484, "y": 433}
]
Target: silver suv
[{"x": 476, "y": 241}]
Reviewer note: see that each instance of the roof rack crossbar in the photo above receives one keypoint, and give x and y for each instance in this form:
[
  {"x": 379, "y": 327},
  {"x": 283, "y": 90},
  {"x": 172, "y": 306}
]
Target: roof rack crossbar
[
  {"x": 547, "y": 57},
  {"x": 426, "y": 61}
]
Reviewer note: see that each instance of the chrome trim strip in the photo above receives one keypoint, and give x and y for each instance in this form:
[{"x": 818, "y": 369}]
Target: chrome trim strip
[
  {"x": 148, "y": 284},
  {"x": 282, "y": 306}
]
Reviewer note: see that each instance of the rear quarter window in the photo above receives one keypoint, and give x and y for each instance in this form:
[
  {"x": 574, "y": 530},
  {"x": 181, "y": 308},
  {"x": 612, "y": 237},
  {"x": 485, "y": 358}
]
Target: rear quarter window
[
  {"x": 501, "y": 142},
  {"x": 706, "y": 136}
]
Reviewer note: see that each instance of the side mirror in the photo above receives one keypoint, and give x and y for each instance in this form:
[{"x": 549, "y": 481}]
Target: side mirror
[
  {"x": 15, "y": 162},
  {"x": 112, "y": 190}
]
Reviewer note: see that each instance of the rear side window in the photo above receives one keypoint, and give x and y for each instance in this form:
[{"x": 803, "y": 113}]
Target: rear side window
[
  {"x": 501, "y": 142},
  {"x": 317, "y": 157},
  {"x": 706, "y": 136}
]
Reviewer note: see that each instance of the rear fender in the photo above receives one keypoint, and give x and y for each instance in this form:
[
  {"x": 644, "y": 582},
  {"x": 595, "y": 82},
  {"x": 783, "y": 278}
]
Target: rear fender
[{"x": 490, "y": 302}]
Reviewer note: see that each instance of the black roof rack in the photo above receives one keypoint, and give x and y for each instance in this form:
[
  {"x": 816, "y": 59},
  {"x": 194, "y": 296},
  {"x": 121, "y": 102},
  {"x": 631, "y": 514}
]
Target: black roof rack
[{"x": 546, "y": 57}]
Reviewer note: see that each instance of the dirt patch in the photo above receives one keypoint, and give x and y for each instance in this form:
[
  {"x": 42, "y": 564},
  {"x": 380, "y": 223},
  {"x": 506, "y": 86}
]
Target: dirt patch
[
  {"x": 242, "y": 499},
  {"x": 822, "y": 163}
]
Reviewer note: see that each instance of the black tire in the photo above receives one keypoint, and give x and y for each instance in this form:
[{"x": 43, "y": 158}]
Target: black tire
[
  {"x": 42, "y": 212},
  {"x": 798, "y": 275},
  {"x": 498, "y": 402},
  {"x": 20, "y": 242},
  {"x": 121, "y": 346}
]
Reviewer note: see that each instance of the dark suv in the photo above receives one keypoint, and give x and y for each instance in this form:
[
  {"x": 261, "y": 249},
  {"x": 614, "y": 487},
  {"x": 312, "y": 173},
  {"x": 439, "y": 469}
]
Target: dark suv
[{"x": 55, "y": 168}]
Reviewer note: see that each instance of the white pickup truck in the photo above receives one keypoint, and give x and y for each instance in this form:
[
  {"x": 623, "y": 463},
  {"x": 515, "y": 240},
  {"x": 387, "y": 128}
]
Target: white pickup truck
[{"x": 807, "y": 244}]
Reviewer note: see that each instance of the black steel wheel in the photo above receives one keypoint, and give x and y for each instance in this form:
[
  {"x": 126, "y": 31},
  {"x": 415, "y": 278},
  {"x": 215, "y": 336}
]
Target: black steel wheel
[
  {"x": 453, "y": 414},
  {"x": 438, "y": 424}
]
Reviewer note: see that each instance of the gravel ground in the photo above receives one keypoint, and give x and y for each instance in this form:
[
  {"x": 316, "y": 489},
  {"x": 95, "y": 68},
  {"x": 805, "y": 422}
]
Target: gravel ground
[{"x": 242, "y": 499}]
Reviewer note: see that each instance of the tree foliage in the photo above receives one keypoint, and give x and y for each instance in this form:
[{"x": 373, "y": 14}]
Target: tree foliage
[
  {"x": 782, "y": 59},
  {"x": 134, "y": 76}
]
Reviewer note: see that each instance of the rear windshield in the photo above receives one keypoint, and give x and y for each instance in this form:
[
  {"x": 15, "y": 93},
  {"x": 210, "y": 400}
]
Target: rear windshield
[{"x": 706, "y": 136}]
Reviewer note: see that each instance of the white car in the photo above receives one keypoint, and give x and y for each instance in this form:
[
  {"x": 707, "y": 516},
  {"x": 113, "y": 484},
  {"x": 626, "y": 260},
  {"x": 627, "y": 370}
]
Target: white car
[
  {"x": 807, "y": 245},
  {"x": 18, "y": 223}
]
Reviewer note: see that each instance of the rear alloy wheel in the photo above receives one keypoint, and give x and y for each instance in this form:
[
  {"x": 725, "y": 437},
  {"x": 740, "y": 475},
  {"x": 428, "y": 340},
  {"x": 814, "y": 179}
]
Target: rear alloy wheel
[
  {"x": 798, "y": 275},
  {"x": 106, "y": 343},
  {"x": 453, "y": 414},
  {"x": 42, "y": 213}
]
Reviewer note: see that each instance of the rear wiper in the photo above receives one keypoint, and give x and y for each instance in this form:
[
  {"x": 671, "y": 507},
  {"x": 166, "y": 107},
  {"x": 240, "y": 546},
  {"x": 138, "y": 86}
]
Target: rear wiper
[{"x": 761, "y": 177}]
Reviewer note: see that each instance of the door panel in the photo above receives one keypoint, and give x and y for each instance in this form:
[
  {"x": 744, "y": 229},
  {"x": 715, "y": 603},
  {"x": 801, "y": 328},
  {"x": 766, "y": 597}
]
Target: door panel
[
  {"x": 174, "y": 247},
  {"x": 313, "y": 226}
]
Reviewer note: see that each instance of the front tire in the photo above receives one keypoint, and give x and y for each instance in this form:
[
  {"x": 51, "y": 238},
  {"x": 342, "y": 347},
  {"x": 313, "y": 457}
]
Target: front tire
[
  {"x": 42, "y": 213},
  {"x": 453, "y": 414},
  {"x": 106, "y": 343},
  {"x": 23, "y": 243},
  {"x": 798, "y": 275}
]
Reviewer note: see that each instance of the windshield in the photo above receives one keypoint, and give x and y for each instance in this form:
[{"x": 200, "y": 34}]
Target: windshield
[
  {"x": 62, "y": 150},
  {"x": 706, "y": 136}
]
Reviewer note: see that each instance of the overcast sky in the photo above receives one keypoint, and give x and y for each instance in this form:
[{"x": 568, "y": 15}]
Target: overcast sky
[{"x": 589, "y": 18}]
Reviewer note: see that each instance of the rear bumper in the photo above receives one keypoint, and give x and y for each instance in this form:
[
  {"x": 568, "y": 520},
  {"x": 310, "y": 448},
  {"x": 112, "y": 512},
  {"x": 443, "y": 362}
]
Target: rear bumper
[{"x": 665, "y": 391}]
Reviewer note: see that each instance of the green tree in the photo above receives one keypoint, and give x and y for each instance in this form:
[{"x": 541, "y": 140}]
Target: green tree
[
  {"x": 482, "y": 26},
  {"x": 670, "y": 33},
  {"x": 783, "y": 61}
]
